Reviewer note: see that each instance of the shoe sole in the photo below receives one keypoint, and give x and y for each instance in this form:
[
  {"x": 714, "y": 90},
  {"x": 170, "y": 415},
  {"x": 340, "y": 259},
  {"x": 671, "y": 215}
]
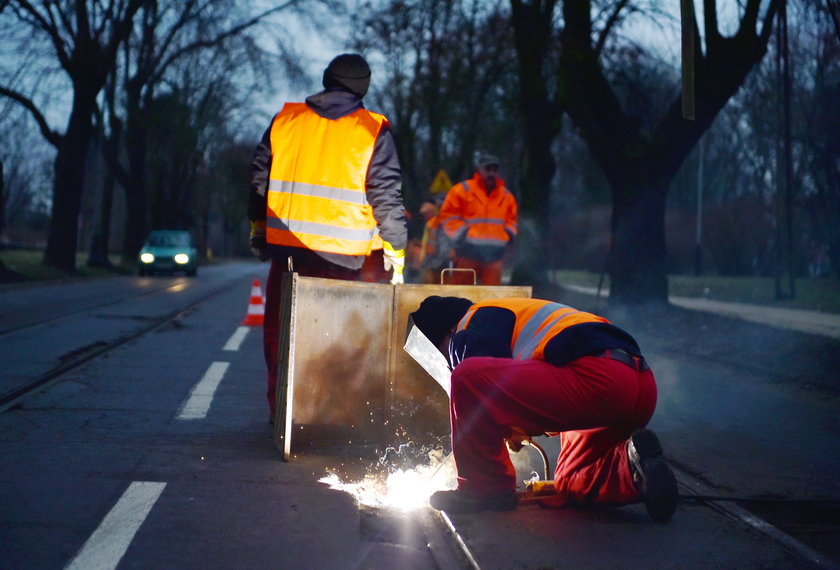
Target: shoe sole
[{"x": 659, "y": 486}]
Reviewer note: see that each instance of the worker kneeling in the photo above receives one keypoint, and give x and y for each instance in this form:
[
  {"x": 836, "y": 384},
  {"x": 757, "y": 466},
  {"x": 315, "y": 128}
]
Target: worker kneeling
[{"x": 544, "y": 367}]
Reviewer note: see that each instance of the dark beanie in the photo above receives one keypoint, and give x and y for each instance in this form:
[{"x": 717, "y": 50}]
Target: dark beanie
[
  {"x": 436, "y": 316},
  {"x": 349, "y": 71}
]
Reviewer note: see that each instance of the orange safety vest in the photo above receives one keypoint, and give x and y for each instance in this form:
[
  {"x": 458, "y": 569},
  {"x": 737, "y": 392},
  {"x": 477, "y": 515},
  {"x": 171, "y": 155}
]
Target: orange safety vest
[
  {"x": 316, "y": 191},
  {"x": 428, "y": 244},
  {"x": 486, "y": 218},
  {"x": 537, "y": 322},
  {"x": 376, "y": 242}
]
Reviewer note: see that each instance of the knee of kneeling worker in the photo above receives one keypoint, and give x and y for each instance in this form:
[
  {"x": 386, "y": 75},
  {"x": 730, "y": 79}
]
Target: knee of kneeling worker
[{"x": 470, "y": 374}]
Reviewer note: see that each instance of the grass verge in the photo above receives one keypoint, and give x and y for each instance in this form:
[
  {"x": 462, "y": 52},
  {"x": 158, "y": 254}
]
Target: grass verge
[
  {"x": 812, "y": 293},
  {"x": 28, "y": 265}
]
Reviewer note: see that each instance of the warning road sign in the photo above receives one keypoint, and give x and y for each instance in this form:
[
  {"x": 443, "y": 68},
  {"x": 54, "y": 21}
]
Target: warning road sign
[{"x": 441, "y": 183}]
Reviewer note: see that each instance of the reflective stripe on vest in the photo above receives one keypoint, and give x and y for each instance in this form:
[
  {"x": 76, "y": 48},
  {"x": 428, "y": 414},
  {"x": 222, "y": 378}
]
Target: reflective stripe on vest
[
  {"x": 482, "y": 231},
  {"x": 316, "y": 192},
  {"x": 537, "y": 322}
]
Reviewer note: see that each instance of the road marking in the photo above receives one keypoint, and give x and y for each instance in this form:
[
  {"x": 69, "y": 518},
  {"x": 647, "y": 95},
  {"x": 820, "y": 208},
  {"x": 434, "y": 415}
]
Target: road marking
[
  {"x": 109, "y": 542},
  {"x": 202, "y": 393},
  {"x": 236, "y": 338}
]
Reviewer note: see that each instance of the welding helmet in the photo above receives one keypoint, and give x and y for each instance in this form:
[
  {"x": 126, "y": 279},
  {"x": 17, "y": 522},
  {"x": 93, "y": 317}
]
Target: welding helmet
[{"x": 437, "y": 315}]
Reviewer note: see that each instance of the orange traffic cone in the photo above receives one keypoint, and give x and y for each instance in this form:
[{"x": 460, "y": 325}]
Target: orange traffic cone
[{"x": 256, "y": 310}]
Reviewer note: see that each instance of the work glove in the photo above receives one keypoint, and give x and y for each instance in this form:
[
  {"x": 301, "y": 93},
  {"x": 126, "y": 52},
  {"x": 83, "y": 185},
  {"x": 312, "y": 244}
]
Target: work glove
[
  {"x": 394, "y": 258},
  {"x": 256, "y": 241}
]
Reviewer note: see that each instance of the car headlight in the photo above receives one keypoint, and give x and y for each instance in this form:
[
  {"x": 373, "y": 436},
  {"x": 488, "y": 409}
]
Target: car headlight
[
  {"x": 147, "y": 257},
  {"x": 182, "y": 258}
]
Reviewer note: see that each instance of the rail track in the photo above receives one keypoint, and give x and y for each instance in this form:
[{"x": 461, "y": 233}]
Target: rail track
[
  {"x": 771, "y": 516},
  {"x": 83, "y": 354}
]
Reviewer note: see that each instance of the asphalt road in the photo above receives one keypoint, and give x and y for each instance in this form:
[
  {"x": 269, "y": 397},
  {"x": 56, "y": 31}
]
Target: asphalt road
[{"x": 156, "y": 453}]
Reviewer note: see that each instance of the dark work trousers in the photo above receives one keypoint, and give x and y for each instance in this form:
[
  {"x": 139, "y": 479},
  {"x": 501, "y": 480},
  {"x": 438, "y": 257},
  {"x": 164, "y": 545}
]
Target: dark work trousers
[
  {"x": 594, "y": 402},
  {"x": 306, "y": 264}
]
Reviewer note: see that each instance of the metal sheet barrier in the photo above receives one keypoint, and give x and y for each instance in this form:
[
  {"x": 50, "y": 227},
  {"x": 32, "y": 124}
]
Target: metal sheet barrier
[{"x": 344, "y": 379}]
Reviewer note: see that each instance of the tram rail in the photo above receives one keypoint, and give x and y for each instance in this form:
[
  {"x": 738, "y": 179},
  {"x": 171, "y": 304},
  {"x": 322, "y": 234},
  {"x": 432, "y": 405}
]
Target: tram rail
[{"x": 85, "y": 354}]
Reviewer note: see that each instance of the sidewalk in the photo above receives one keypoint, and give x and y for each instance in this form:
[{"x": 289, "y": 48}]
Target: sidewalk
[{"x": 812, "y": 322}]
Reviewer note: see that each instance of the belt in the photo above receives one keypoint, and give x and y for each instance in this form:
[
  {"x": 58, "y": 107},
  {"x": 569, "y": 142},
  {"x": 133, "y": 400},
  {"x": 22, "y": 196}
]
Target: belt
[{"x": 637, "y": 363}]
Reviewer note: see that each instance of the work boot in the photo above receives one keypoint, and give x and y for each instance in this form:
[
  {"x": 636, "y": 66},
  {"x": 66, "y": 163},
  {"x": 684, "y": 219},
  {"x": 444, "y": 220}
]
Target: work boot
[
  {"x": 652, "y": 477},
  {"x": 459, "y": 502}
]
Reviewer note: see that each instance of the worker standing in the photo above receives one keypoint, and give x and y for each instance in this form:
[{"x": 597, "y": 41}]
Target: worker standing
[
  {"x": 434, "y": 246},
  {"x": 324, "y": 176},
  {"x": 479, "y": 216},
  {"x": 524, "y": 367}
]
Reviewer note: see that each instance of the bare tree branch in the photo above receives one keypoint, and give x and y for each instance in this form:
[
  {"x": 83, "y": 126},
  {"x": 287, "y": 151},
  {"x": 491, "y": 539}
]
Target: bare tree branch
[
  {"x": 46, "y": 22},
  {"x": 769, "y": 18},
  {"x": 82, "y": 20},
  {"x": 710, "y": 24},
  {"x": 748, "y": 22},
  {"x": 611, "y": 22},
  {"x": 219, "y": 38},
  {"x": 832, "y": 12},
  {"x": 53, "y": 137}
]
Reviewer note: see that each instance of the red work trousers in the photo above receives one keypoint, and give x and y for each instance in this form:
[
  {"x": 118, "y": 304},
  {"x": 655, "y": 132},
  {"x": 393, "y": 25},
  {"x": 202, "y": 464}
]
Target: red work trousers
[
  {"x": 594, "y": 402},
  {"x": 308, "y": 265},
  {"x": 486, "y": 273}
]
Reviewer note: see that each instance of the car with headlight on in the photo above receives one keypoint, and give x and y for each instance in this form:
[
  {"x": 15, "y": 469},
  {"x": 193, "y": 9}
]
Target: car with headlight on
[{"x": 168, "y": 251}]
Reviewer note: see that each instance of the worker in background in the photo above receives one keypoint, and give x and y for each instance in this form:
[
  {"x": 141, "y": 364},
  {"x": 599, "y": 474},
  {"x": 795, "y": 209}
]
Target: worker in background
[
  {"x": 525, "y": 367},
  {"x": 479, "y": 216},
  {"x": 434, "y": 247},
  {"x": 324, "y": 176}
]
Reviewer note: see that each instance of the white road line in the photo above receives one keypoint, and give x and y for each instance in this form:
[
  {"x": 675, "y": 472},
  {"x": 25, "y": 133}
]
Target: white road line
[
  {"x": 108, "y": 543},
  {"x": 202, "y": 393},
  {"x": 236, "y": 338}
]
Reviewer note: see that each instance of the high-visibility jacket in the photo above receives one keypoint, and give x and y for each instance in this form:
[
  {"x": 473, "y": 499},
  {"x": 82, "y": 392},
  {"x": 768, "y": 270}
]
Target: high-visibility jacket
[
  {"x": 534, "y": 329},
  {"x": 479, "y": 224},
  {"x": 316, "y": 191},
  {"x": 430, "y": 241}
]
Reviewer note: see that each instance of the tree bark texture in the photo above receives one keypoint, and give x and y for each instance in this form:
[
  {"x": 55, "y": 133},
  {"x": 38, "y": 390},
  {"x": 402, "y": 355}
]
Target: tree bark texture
[
  {"x": 533, "y": 36},
  {"x": 68, "y": 184},
  {"x": 638, "y": 165}
]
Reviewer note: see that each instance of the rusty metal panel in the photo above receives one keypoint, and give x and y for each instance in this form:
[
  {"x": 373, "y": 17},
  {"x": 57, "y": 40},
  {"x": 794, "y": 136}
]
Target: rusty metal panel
[
  {"x": 344, "y": 378},
  {"x": 334, "y": 346},
  {"x": 419, "y": 407}
]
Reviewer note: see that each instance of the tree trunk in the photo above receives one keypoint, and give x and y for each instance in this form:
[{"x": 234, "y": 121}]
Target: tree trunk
[
  {"x": 68, "y": 184},
  {"x": 639, "y": 165},
  {"x": 539, "y": 166},
  {"x": 135, "y": 221},
  {"x": 637, "y": 257},
  {"x": 533, "y": 34},
  {"x": 2, "y": 201},
  {"x": 136, "y": 199},
  {"x": 98, "y": 256}
]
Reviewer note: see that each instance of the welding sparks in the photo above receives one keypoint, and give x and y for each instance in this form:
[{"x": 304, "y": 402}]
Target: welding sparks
[{"x": 402, "y": 489}]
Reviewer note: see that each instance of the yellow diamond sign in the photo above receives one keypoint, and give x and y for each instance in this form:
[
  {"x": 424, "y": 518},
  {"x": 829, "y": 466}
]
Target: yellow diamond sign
[{"x": 441, "y": 183}]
